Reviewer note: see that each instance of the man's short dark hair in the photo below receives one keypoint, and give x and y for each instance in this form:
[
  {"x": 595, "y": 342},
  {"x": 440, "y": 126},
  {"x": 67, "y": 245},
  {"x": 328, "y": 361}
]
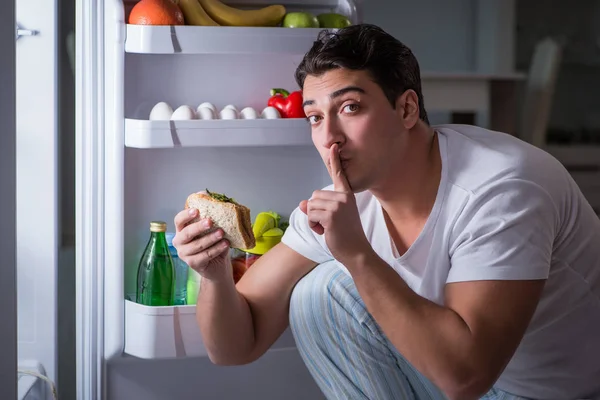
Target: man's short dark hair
[{"x": 390, "y": 63}]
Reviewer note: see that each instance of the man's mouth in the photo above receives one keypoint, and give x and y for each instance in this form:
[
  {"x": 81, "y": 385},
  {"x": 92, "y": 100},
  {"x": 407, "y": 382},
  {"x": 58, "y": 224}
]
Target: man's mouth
[{"x": 343, "y": 161}]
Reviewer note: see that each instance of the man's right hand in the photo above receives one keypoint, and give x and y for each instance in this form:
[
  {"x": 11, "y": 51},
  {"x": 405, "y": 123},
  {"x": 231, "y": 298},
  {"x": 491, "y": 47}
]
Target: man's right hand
[
  {"x": 239, "y": 322},
  {"x": 204, "y": 251}
]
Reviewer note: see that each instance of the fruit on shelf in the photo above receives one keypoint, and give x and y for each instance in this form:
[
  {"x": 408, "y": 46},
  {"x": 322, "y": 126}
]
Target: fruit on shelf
[
  {"x": 288, "y": 104},
  {"x": 156, "y": 12},
  {"x": 195, "y": 15},
  {"x": 333, "y": 20},
  {"x": 229, "y": 16},
  {"x": 265, "y": 221},
  {"x": 300, "y": 20}
]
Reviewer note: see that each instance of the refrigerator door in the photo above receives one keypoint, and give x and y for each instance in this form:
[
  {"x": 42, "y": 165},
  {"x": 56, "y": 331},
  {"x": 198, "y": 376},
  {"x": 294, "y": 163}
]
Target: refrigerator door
[
  {"x": 8, "y": 293},
  {"x": 37, "y": 181},
  {"x": 89, "y": 205}
]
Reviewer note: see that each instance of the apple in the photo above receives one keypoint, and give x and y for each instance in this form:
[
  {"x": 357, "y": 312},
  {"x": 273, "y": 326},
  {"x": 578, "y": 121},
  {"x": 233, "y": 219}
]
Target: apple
[
  {"x": 333, "y": 20},
  {"x": 300, "y": 20}
]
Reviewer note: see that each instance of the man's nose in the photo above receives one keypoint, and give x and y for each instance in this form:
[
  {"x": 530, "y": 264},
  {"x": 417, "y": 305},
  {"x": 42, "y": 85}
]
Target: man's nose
[{"x": 333, "y": 133}]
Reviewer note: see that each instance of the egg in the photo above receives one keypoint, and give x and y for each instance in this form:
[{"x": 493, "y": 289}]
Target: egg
[
  {"x": 270, "y": 113},
  {"x": 248, "y": 113},
  {"x": 208, "y": 105},
  {"x": 206, "y": 113},
  {"x": 228, "y": 113},
  {"x": 232, "y": 107},
  {"x": 184, "y": 113},
  {"x": 161, "y": 112}
]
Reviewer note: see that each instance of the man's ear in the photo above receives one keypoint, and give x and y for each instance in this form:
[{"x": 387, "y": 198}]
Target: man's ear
[{"x": 407, "y": 107}]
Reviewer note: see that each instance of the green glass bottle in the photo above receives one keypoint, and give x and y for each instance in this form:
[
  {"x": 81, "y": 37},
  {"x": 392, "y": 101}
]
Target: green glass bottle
[{"x": 156, "y": 273}]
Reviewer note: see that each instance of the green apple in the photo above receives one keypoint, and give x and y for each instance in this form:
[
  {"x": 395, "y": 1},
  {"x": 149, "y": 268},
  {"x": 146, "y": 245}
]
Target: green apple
[
  {"x": 300, "y": 20},
  {"x": 333, "y": 20}
]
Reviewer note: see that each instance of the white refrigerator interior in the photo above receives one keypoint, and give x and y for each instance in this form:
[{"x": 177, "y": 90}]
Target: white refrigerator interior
[
  {"x": 37, "y": 194},
  {"x": 131, "y": 171}
]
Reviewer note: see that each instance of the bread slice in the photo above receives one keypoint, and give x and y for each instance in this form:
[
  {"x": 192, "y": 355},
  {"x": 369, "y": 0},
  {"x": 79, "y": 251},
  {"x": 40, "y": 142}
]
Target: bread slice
[{"x": 232, "y": 217}]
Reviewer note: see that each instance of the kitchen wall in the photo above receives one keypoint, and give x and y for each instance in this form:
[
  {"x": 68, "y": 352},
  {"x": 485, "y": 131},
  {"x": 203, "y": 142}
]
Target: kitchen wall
[
  {"x": 438, "y": 32},
  {"x": 450, "y": 36},
  {"x": 453, "y": 35},
  {"x": 8, "y": 327},
  {"x": 575, "y": 115}
]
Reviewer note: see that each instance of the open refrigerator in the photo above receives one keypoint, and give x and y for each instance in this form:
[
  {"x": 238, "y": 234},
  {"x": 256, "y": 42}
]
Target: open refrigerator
[{"x": 131, "y": 170}]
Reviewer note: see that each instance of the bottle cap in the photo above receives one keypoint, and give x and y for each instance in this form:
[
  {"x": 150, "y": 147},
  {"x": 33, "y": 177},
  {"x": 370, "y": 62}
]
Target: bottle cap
[{"x": 158, "y": 226}]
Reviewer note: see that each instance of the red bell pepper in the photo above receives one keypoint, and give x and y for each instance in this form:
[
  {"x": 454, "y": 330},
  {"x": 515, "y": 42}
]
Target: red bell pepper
[{"x": 288, "y": 104}]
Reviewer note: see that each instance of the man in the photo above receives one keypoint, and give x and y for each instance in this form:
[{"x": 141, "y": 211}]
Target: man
[{"x": 443, "y": 262}]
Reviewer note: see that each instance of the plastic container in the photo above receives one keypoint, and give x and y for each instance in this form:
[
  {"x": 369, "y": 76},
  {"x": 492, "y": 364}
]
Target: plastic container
[
  {"x": 181, "y": 273},
  {"x": 172, "y": 332},
  {"x": 162, "y": 332},
  {"x": 242, "y": 259},
  {"x": 193, "y": 286}
]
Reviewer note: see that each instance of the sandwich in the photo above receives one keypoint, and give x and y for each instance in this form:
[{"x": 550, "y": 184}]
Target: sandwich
[{"x": 225, "y": 213}]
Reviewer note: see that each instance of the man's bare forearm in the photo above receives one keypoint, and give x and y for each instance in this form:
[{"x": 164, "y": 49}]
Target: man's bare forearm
[{"x": 225, "y": 322}]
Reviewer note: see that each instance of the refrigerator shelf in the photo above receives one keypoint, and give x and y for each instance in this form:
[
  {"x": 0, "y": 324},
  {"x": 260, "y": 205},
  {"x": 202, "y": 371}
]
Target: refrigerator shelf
[
  {"x": 171, "y": 332},
  {"x": 162, "y": 332},
  {"x": 218, "y": 40},
  {"x": 217, "y": 133}
]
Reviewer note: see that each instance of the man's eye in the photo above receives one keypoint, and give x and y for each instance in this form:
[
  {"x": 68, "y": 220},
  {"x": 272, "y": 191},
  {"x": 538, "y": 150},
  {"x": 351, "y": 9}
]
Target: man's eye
[
  {"x": 350, "y": 108},
  {"x": 313, "y": 119}
]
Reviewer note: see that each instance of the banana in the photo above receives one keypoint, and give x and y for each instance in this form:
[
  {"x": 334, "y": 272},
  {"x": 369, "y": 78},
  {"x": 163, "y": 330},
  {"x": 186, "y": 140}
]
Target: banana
[
  {"x": 194, "y": 14},
  {"x": 225, "y": 15}
]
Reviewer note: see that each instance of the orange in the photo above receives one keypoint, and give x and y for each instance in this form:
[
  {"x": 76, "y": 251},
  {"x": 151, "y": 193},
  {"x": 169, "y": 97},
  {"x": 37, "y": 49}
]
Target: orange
[{"x": 156, "y": 12}]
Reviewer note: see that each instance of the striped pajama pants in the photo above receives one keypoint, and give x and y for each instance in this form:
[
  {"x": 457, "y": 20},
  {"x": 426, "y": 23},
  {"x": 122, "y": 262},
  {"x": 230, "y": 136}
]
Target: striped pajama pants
[{"x": 344, "y": 348}]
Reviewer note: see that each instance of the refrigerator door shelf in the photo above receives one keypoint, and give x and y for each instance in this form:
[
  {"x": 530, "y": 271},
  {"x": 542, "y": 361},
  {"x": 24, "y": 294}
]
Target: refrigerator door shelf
[
  {"x": 217, "y": 133},
  {"x": 170, "y": 332},
  {"x": 218, "y": 40}
]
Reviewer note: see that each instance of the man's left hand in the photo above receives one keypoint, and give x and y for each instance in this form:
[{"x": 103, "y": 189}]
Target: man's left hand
[{"x": 335, "y": 214}]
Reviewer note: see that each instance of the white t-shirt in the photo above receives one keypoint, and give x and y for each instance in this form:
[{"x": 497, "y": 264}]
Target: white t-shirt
[{"x": 504, "y": 210}]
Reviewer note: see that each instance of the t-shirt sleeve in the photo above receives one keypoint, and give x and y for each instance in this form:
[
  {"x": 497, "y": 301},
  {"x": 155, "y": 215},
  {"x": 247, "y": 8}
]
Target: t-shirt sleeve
[
  {"x": 299, "y": 237},
  {"x": 506, "y": 233}
]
